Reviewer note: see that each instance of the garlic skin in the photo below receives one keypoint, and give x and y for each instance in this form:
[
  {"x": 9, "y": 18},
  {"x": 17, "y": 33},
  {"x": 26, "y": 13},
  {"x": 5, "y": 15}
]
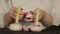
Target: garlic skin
[
  {"x": 15, "y": 27},
  {"x": 26, "y": 29},
  {"x": 37, "y": 27}
]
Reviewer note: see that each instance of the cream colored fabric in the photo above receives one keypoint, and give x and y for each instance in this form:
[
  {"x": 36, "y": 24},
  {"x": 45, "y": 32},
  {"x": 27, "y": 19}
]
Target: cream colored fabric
[
  {"x": 50, "y": 6},
  {"x": 56, "y": 12},
  {"x": 4, "y": 8}
]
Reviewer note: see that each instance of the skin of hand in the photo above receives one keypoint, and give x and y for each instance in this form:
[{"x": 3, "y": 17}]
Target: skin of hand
[
  {"x": 11, "y": 16},
  {"x": 45, "y": 18}
]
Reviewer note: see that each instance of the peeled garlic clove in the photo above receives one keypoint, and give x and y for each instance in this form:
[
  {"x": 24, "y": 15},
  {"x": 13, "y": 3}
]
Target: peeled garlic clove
[{"x": 15, "y": 27}]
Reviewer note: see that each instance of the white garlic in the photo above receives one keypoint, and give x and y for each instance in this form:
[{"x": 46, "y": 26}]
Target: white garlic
[
  {"x": 15, "y": 27},
  {"x": 36, "y": 28}
]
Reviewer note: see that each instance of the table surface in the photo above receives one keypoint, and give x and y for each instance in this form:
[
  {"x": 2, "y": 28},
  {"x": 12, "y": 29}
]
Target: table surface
[{"x": 50, "y": 30}]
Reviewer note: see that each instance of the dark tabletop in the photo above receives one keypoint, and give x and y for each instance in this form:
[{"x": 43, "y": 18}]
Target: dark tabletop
[{"x": 50, "y": 30}]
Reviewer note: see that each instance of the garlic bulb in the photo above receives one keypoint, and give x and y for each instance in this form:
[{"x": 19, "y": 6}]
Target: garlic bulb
[
  {"x": 37, "y": 27},
  {"x": 15, "y": 27}
]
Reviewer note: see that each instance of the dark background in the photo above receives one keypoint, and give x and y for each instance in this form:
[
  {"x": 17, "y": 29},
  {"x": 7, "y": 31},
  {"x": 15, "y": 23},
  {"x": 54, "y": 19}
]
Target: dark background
[{"x": 50, "y": 30}]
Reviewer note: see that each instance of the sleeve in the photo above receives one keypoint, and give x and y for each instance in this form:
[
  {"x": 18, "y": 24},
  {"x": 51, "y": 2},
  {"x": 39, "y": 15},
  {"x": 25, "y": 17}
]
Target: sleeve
[
  {"x": 1, "y": 20},
  {"x": 56, "y": 20},
  {"x": 1, "y": 17},
  {"x": 56, "y": 12},
  {"x": 3, "y": 10}
]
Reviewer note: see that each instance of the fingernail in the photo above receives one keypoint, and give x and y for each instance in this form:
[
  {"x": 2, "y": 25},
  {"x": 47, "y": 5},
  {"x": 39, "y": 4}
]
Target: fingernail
[{"x": 21, "y": 8}]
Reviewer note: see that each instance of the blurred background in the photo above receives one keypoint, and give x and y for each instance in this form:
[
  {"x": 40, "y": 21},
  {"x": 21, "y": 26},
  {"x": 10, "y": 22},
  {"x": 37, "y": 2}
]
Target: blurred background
[{"x": 50, "y": 6}]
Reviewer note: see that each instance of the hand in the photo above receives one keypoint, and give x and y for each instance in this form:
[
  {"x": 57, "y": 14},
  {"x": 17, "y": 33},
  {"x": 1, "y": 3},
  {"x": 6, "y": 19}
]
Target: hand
[
  {"x": 11, "y": 16},
  {"x": 13, "y": 12}
]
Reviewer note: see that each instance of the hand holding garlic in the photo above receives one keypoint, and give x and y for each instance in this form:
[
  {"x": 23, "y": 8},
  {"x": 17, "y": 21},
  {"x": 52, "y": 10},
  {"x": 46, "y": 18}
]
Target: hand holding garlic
[
  {"x": 16, "y": 26},
  {"x": 36, "y": 27}
]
